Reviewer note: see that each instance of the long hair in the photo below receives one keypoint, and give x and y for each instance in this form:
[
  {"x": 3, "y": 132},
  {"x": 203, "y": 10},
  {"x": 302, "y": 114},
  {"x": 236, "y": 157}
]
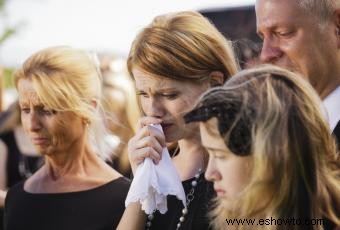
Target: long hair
[
  {"x": 68, "y": 79},
  {"x": 274, "y": 116}
]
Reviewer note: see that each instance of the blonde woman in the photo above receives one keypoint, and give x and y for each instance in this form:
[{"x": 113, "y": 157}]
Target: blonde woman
[
  {"x": 59, "y": 96},
  {"x": 271, "y": 155},
  {"x": 173, "y": 61}
]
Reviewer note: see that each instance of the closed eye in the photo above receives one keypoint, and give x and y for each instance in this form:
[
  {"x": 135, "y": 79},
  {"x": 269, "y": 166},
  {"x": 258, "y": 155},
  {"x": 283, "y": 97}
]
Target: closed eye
[
  {"x": 48, "y": 112},
  {"x": 285, "y": 33},
  {"x": 217, "y": 153},
  {"x": 142, "y": 94},
  {"x": 25, "y": 110},
  {"x": 170, "y": 96}
]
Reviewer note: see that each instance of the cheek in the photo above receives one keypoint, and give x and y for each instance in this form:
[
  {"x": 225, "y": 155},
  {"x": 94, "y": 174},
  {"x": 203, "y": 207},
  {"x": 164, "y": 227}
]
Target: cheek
[
  {"x": 235, "y": 176},
  {"x": 181, "y": 106},
  {"x": 63, "y": 130},
  {"x": 143, "y": 104},
  {"x": 25, "y": 122}
]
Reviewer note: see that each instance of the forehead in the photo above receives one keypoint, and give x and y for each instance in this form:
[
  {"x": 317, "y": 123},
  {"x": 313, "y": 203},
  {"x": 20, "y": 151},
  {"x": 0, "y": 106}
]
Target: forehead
[
  {"x": 211, "y": 137},
  {"x": 271, "y": 13},
  {"x": 146, "y": 80},
  {"x": 27, "y": 93}
]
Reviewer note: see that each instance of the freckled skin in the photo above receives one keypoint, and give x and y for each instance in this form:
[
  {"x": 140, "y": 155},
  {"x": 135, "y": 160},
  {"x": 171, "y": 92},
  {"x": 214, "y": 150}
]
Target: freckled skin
[{"x": 168, "y": 100}]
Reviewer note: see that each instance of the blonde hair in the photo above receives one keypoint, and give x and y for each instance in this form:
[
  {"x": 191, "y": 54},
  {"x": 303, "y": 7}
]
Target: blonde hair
[
  {"x": 274, "y": 116},
  {"x": 182, "y": 46},
  {"x": 68, "y": 79}
]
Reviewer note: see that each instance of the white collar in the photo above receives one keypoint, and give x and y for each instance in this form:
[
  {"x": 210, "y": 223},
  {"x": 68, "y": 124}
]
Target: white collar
[{"x": 332, "y": 106}]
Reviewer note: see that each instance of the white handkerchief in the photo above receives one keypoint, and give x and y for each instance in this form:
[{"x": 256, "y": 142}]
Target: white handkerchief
[{"x": 152, "y": 183}]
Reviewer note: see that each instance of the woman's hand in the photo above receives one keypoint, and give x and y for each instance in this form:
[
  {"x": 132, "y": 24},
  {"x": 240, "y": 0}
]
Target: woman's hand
[{"x": 147, "y": 142}]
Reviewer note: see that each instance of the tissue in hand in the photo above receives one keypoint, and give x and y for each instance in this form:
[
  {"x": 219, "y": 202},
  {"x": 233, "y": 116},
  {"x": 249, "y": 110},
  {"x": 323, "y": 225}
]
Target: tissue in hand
[{"x": 152, "y": 183}]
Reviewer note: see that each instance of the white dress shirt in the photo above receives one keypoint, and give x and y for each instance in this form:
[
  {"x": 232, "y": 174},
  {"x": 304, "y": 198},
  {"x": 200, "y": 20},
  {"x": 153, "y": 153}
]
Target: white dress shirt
[{"x": 332, "y": 106}]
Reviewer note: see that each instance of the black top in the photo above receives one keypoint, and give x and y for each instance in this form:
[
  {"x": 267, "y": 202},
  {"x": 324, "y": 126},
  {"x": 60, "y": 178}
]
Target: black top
[
  {"x": 196, "y": 219},
  {"x": 95, "y": 209},
  {"x": 328, "y": 225}
]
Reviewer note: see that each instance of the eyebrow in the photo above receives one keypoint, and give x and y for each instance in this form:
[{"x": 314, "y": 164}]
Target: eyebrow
[
  {"x": 213, "y": 148},
  {"x": 159, "y": 90}
]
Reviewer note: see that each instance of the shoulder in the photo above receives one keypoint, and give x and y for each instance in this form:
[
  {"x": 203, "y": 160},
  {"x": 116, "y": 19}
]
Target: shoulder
[
  {"x": 14, "y": 191},
  {"x": 120, "y": 184},
  {"x": 115, "y": 191}
]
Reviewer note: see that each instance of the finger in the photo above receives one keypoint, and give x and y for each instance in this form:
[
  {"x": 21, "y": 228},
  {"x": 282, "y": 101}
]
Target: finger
[
  {"x": 159, "y": 137},
  {"x": 146, "y": 131},
  {"x": 158, "y": 134},
  {"x": 151, "y": 131},
  {"x": 146, "y": 152},
  {"x": 149, "y": 141},
  {"x": 144, "y": 121}
]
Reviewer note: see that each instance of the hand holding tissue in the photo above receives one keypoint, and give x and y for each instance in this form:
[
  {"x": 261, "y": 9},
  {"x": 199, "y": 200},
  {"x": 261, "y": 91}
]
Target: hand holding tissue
[{"x": 152, "y": 183}]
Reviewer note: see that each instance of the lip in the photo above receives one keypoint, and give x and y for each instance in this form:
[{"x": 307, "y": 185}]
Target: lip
[
  {"x": 219, "y": 192},
  {"x": 166, "y": 125},
  {"x": 39, "y": 140}
]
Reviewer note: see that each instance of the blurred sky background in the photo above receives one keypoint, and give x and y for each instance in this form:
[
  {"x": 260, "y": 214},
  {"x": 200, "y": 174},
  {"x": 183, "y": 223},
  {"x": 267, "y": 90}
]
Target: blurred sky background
[{"x": 97, "y": 25}]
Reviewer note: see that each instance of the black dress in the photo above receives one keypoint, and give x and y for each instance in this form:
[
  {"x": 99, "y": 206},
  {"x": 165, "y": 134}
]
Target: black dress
[
  {"x": 196, "y": 219},
  {"x": 95, "y": 209}
]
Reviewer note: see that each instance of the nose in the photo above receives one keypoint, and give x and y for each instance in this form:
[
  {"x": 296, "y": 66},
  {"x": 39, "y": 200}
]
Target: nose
[
  {"x": 212, "y": 173},
  {"x": 155, "y": 108},
  {"x": 270, "y": 51},
  {"x": 34, "y": 122}
]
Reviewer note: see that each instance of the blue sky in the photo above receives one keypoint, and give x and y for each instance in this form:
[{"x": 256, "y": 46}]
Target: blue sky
[{"x": 97, "y": 25}]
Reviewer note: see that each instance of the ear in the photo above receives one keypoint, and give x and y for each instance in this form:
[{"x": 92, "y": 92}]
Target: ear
[
  {"x": 216, "y": 78},
  {"x": 337, "y": 18}
]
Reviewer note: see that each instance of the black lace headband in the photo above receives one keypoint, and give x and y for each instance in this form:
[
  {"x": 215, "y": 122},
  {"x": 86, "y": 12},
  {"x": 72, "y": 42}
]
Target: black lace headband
[{"x": 230, "y": 122}]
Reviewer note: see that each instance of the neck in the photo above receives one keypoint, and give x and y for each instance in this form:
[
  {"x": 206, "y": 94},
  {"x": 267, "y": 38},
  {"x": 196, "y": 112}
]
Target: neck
[
  {"x": 190, "y": 159},
  {"x": 73, "y": 162},
  {"x": 325, "y": 90},
  {"x": 325, "y": 84}
]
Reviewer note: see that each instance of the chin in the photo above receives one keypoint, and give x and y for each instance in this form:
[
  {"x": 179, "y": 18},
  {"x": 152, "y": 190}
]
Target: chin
[
  {"x": 228, "y": 204},
  {"x": 46, "y": 152},
  {"x": 171, "y": 138}
]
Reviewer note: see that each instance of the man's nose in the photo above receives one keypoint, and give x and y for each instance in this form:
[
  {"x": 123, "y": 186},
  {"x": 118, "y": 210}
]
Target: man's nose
[{"x": 270, "y": 51}]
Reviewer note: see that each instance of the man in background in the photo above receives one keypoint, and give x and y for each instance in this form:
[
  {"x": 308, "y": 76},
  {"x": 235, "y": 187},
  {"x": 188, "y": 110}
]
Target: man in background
[{"x": 303, "y": 36}]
